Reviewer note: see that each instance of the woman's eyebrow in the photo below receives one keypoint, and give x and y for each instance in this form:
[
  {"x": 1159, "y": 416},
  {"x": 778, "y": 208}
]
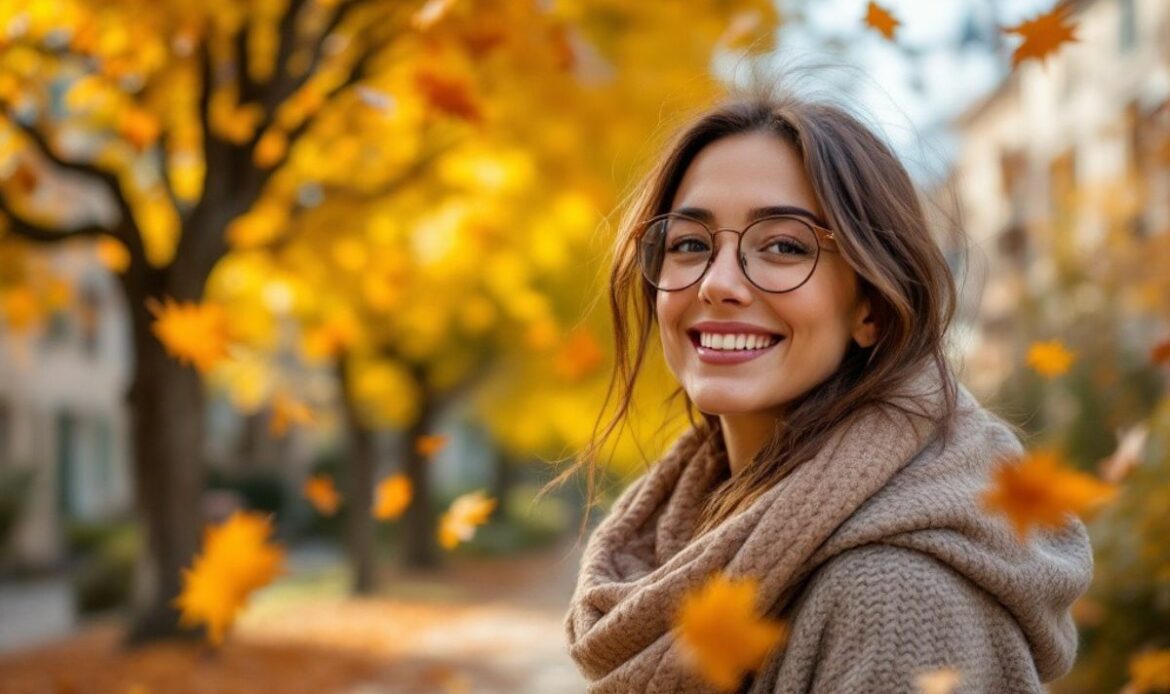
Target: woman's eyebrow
[{"x": 708, "y": 217}]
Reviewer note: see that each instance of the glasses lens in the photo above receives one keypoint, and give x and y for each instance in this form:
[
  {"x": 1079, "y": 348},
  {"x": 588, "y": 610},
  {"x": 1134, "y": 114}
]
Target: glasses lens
[
  {"x": 674, "y": 252},
  {"x": 781, "y": 253}
]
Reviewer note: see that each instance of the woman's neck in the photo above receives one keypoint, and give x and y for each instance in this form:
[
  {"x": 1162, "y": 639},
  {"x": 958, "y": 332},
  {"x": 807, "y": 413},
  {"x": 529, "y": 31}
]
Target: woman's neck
[{"x": 744, "y": 435}]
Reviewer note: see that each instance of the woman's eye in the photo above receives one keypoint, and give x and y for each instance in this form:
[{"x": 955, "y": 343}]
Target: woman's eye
[
  {"x": 688, "y": 246},
  {"x": 786, "y": 247}
]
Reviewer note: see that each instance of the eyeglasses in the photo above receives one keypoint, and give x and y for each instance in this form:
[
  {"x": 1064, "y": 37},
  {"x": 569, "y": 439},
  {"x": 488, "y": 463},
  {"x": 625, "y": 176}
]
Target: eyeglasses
[{"x": 777, "y": 253}]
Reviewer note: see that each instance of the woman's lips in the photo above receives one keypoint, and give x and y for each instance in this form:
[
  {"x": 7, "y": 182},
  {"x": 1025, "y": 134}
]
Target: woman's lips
[{"x": 729, "y": 356}]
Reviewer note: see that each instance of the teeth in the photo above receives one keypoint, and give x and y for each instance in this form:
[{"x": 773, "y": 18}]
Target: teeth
[{"x": 735, "y": 342}]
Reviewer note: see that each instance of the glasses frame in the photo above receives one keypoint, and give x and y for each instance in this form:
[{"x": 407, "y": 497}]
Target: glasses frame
[{"x": 819, "y": 232}]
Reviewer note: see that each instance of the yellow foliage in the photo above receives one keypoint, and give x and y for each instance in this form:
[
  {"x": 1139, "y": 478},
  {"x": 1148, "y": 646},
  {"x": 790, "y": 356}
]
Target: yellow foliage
[
  {"x": 386, "y": 392},
  {"x": 459, "y": 522},
  {"x": 1149, "y": 672},
  {"x": 113, "y": 254},
  {"x": 236, "y": 559},
  {"x": 1039, "y": 491},
  {"x": 392, "y": 497},
  {"x": 721, "y": 633}
]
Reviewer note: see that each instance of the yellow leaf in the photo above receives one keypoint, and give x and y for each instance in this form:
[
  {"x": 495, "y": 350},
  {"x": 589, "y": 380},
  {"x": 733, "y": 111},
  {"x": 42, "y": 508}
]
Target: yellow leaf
[
  {"x": 236, "y": 559},
  {"x": 720, "y": 632},
  {"x": 192, "y": 333},
  {"x": 1149, "y": 672},
  {"x": 321, "y": 493},
  {"x": 1039, "y": 491},
  {"x": 879, "y": 18},
  {"x": 287, "y": 411},
  {"x": 428, "y": 445},
  {"x": 1050, "y": 358},
  {"x": 392, "y": 496},
  {"x": 113, "y": 254},
  {"x": 461, "y": 518},
  {"x": 1042, "y": 35}
]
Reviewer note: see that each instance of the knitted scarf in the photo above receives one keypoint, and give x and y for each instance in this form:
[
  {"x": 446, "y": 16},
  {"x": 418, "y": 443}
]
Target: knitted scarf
[{"x": 886, "y": 478}]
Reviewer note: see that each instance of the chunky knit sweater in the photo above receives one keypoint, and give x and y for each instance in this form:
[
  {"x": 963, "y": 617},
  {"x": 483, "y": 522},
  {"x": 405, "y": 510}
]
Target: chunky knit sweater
[{"x": 876, "y": 552}]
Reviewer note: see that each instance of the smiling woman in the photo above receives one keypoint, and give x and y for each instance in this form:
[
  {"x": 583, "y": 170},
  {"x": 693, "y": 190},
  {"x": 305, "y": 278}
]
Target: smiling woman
[{"x": 802, "y": 304}]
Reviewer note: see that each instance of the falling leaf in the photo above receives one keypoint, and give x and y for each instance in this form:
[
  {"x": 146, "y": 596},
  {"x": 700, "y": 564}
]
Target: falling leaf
[
  {"x": 448, "y": 95},
  {"x": 1038, "y": 490},
  {"x": 1050, "y": 358},
  {"x": 112, "y": 254},
  {"x": 236, "y": 559},
  {"x": 580, "y": 356},
  {"x": 321, "y": 493},
  {"x": 192, "y": 333},
  {"x": 879, "y": 18},
  {"x": 429, "y": 444},
  {"x": 941, "y": 681},
  {"x": 1160, "y": 353},
  {"x": 287, "y": 411},
  {"x": 1149, "y": 672},
  {"x": 1128, "y": 455},
  {"x": 392, "y": 496},
  {"x": 1042, "y": 35},
  {"x": 465, "y": 513},
  {"x": 720, "y": 632}
]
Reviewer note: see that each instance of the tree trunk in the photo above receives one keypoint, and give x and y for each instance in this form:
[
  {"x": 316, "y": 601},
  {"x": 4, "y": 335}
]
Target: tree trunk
[
  {"x": 503, "y": 479},
  {"x": 359, "y": 522},
  {"x": 166, "y": 401},
  {"x": 420, "y": 522}
]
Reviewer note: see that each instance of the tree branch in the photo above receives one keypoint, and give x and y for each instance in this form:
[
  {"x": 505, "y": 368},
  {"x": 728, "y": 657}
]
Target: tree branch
[{"x": 39, "y": 234}]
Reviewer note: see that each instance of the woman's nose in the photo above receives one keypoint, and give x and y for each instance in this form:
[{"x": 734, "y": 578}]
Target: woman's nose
[{"x": 724, "y": 280}]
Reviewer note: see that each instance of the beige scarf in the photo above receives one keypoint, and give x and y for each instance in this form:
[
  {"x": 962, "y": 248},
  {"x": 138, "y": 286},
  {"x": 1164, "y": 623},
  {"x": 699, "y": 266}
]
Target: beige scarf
[{"x": 885, "y": 479}]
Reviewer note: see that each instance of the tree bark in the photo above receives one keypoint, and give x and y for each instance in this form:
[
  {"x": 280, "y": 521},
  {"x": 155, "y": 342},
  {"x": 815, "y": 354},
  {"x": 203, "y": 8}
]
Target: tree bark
[
  {"x": 360, "y": 525},
  {"x": 167, "y": 413},
  {"x": 420, "y": 549}
]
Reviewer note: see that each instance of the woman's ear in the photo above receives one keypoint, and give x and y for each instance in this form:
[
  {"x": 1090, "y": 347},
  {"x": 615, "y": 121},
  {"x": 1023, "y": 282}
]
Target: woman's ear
[{"x": 864, "y": 327}]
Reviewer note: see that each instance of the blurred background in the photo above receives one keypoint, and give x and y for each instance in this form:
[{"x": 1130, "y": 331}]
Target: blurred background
[{"x": 341, "y": 265}]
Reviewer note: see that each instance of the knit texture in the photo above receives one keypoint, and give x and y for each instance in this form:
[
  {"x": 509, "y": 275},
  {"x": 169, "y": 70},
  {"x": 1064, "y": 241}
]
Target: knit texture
[{"x": 876, "y": 551}]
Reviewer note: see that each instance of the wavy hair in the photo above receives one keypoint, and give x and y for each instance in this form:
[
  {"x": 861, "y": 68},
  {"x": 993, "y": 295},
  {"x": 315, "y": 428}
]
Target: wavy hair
[{"x": 883, "y": 233}]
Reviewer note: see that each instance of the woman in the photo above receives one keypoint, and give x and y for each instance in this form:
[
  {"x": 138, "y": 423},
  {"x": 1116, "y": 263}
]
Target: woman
[{"x": 801, "y": 304}]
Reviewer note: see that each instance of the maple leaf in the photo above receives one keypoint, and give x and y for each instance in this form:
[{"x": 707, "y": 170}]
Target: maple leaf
[
  {"x": 236, "y": 559},
  {"x": 321, "y": 493},
  {"x": 392, "y": 496},
  {"x": 1042, "y": 35},
  {"x": 878, "y": 17},
  {"x": 192, "y": 333},
  {"x": 1038, "y": 490},
  {"x": 1149, "y": 672},
  {"x": 430, "y": 444},
  {"x": 461, "y": 518},
  {"x": 720, "y": 633},
  {"x": 287, "y": 411},
  {"x": 941, "y": 681},
  {"x": 1050, "y": 358}
]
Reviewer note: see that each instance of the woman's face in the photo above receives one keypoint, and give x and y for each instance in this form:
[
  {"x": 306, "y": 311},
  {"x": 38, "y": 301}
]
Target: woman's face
[{"x": 813, "y": 323}]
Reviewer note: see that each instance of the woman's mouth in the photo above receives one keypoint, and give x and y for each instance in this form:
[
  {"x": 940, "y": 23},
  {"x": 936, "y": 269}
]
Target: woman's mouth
[{"x": 731, "y": 349}]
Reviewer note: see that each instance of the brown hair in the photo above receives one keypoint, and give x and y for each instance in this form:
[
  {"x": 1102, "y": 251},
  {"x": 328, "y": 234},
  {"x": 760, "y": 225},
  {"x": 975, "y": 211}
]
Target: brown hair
[{"x": 882, "y": 232}]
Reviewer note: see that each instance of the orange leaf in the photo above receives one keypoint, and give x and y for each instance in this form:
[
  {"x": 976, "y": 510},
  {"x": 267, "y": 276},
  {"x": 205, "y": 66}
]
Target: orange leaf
[
  {"x": 1042, "y": 35},
  {"x": 878, "y": 17},
  {"x": 1050, "y": 358},
  {"x": 430, "y": 444},
  {"x": 192, "y": 333},
  {"x": 1160, "y": 353},
  {"x": 113, "y": 254},
  {"x": 321, "y": 493},
  {"x": 1038, "y": 490},
  {"x": 448, "y": 95},
  {"x": 287, "y": 411},
  {"x": 392, "y": 496},
  {"x": 465, "y": 513},
  {"x": 720, "y": 632},
  {"x": 236, "y": 560}
]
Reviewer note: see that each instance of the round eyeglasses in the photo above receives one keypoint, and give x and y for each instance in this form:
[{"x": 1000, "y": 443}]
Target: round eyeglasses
[{"x": 777, "y": 253}]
